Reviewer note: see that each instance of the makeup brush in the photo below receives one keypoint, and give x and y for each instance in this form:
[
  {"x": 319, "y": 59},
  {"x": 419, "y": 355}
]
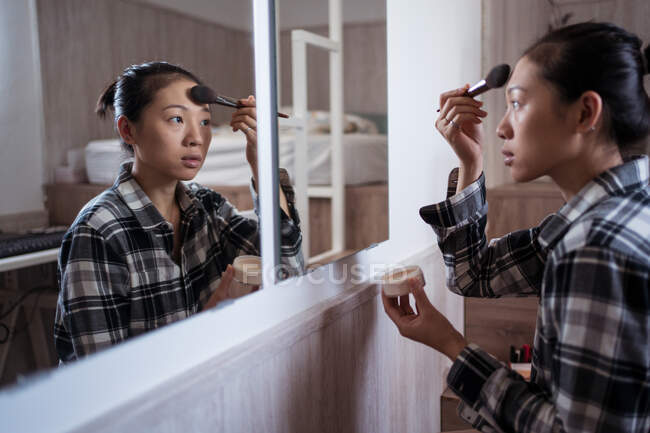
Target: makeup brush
[
  {"x": 495, "y": 79},
  {"x": 205, "y": 95}
]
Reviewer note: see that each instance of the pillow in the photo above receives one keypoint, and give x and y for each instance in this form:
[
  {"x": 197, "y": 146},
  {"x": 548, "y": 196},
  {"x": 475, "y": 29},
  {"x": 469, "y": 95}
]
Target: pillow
[{"x": 318, "y": 122}]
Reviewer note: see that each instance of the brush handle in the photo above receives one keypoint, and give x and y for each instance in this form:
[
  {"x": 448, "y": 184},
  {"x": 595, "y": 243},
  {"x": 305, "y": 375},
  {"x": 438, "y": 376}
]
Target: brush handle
[{"x": 232, "y": 102}]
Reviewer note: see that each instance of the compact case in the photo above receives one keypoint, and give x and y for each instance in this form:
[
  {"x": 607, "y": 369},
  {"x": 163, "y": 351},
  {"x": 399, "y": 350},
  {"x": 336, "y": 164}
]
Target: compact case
[
  {"x": 395, "y": 282},
  {"x": 248, "y": 275}
]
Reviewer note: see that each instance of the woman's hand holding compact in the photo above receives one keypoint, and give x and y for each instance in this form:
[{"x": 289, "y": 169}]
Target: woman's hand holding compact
[
  {"x": 427, "y": 326},
  {"x": 223, "y": 290},
  {"x": 460, "y": 123}
]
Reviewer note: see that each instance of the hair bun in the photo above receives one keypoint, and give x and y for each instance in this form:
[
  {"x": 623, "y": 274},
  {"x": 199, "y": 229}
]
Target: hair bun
[{"x": 106, "y": 100}]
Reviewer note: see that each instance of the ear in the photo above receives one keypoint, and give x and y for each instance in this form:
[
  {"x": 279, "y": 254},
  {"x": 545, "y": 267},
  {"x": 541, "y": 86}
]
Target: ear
[
  {"x": 590, "y": 110},
  {"x": 126, "y": 128}
]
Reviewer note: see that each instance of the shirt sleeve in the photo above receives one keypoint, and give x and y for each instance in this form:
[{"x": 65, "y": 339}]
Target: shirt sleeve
[
  {"x": 511, "y": 265},
  {"x": 597, "y": 318},
  {"x": 291, "y": 258},
  {"x": 93, "y": 303}
]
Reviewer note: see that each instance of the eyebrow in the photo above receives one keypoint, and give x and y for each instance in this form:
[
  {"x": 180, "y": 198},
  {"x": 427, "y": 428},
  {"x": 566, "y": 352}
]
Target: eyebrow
[
  {"x": 513, "y": 88},
  {"x": 183, "y": 107}
]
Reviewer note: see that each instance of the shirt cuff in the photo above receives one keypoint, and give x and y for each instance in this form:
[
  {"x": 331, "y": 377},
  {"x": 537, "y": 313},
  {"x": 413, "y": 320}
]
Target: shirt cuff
[
  {"x": 287, "y": 189},
  {"x": 459, "y": 207},
  {"x": 470, "y": 372}
]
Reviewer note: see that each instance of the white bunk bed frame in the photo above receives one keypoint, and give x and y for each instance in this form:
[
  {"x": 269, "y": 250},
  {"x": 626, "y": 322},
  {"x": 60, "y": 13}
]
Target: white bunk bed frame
[{"x": 300, "y": 39}]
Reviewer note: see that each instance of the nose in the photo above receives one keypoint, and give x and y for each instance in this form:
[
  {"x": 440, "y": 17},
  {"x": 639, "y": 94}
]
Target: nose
[
  {"x": 193, "y": 136},
  {"x": 504, "y": 129}
]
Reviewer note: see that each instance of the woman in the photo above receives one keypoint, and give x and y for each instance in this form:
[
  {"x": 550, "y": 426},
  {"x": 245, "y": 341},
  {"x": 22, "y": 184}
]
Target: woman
[
  {"x": 575, "y": 101},
  {"x": 151, "y": 250}
]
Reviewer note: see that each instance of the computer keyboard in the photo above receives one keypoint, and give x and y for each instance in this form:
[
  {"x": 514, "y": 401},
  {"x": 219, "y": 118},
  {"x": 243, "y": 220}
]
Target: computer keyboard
[{"x": 16, "y": 244}]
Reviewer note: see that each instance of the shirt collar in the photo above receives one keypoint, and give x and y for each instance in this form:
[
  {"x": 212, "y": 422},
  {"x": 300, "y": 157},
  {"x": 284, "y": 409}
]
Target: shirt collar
[
  {"x": 140, "y": 204},
  {"x": 620, "y": 180}
]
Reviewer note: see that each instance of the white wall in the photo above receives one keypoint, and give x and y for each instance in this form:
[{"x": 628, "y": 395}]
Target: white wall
[
  {"x": 21, "y": 114},
  {"x": 432, "y": 46}
]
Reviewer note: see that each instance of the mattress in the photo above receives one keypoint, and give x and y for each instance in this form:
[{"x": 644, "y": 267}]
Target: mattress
[{"x": 365, "y": 158}]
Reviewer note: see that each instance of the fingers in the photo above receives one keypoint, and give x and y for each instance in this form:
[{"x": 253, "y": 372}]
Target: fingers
[
  {"x": 249, "y": 102},
  {"x": 460, "y": 106},
  {"x": 391, "y": 308},
  {"x": 451, "y": 127},
  {"x": 222, "y": 290},
  {"x": 227, "y": 277},
  {"x": 457, "y": 109},
  {"x": 421, "y": 299},
  {"x": 244, "y": 124},
  {"x": 405, "y": 306},
  {"x": 249, "y": 111}
]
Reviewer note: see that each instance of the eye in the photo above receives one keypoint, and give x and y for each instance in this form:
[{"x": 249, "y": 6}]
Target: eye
[
  {"x": 205, "y": 122},
  {"x": 176, "y": 119},
  {"x": 515, "y": 104}
]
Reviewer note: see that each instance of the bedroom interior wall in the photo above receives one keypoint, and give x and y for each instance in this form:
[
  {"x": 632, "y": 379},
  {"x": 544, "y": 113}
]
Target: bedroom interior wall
[
  {"x": 510, "y": 26},
  {"x": 21, "y": 158},
  {"x": 84, "y": 45}
]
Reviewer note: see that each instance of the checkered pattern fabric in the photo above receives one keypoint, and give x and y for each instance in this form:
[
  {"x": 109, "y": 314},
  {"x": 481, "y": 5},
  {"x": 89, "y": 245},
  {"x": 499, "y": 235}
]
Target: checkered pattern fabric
[
  {"x": 116, "y": 275},
  {"x": 589, "y": 264}
]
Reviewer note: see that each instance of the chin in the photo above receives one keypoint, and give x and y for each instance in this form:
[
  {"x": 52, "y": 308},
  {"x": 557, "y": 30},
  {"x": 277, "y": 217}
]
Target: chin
[
  {"x": 521, "y": 176},
  {"x": 187, "y": 177}
]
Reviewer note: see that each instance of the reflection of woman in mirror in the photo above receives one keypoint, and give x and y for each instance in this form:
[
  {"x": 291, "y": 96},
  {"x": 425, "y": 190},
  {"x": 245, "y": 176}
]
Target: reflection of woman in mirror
[
  {"x": 575, "y": 101},
  {"x": 151, "y": 250}
]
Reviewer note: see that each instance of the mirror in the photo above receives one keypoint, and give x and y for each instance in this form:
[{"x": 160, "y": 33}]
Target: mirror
[
  {"x": 332, "y": 68},
  {"x": 60, "y": 155}
]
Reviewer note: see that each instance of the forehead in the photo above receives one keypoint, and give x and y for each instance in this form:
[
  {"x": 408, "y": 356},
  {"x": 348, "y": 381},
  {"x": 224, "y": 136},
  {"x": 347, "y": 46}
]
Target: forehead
[
  {"x": 525, "y": 75},
  {"x": 176, "y": 92}
]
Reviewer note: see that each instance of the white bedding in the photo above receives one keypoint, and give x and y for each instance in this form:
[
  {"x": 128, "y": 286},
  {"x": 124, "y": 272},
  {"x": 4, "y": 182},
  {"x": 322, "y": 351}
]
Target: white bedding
[{"x": 365, "y": 158}]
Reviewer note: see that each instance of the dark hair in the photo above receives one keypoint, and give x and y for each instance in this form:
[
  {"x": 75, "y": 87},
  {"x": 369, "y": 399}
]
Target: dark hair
[
  {"x": 603, "y": 58},
  {"x": 136, "y": 87}
]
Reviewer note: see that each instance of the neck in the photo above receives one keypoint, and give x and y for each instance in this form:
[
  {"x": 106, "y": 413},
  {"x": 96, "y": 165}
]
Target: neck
[
  {"x": 160, "y": 189},
  {"x": 573, "y": 175}
]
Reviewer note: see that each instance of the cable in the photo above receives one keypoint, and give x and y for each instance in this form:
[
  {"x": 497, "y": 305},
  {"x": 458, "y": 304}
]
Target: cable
[
  {"x": 31, "y": 315},
  {"x": 20, "y": 300},
  {"x": 11, "y": 335},
  {"x": 8, "y": 333}
]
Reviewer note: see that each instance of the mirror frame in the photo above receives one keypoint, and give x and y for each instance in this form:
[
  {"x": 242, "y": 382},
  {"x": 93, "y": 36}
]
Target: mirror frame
[{"x": 264, "y": 29}]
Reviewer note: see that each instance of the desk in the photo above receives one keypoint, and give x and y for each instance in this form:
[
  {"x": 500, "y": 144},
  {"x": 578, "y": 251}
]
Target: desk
[
  {"x": 30, "y": 259},
  {"x": 37, "y": 331}
]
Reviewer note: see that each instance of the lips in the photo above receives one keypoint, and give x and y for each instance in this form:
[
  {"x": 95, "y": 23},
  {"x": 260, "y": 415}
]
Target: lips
[
  {"x": 192, "y": 161},
  {"x": 508, "y": 157}
]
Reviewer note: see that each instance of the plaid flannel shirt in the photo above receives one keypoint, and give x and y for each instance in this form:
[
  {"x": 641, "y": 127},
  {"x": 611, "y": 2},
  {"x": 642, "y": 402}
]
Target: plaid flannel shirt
[
  {"x": 589, "y": 263},
  {"x": 116, "y": 275}
]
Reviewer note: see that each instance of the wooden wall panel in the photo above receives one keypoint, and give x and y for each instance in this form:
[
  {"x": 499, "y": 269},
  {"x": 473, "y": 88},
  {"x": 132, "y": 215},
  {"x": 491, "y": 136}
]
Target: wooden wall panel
[
  {"x": 364, "y": 69},
  {"x": 366, "y": 218},
  {"x": 86, "y": 44},
  {"x": 520, "y": 206}
]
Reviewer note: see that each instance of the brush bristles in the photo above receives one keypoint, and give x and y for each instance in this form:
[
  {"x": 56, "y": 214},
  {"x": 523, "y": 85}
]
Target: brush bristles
[
  {"x": 498, "y": 76},
  {"x": 203, "y": 95}
]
